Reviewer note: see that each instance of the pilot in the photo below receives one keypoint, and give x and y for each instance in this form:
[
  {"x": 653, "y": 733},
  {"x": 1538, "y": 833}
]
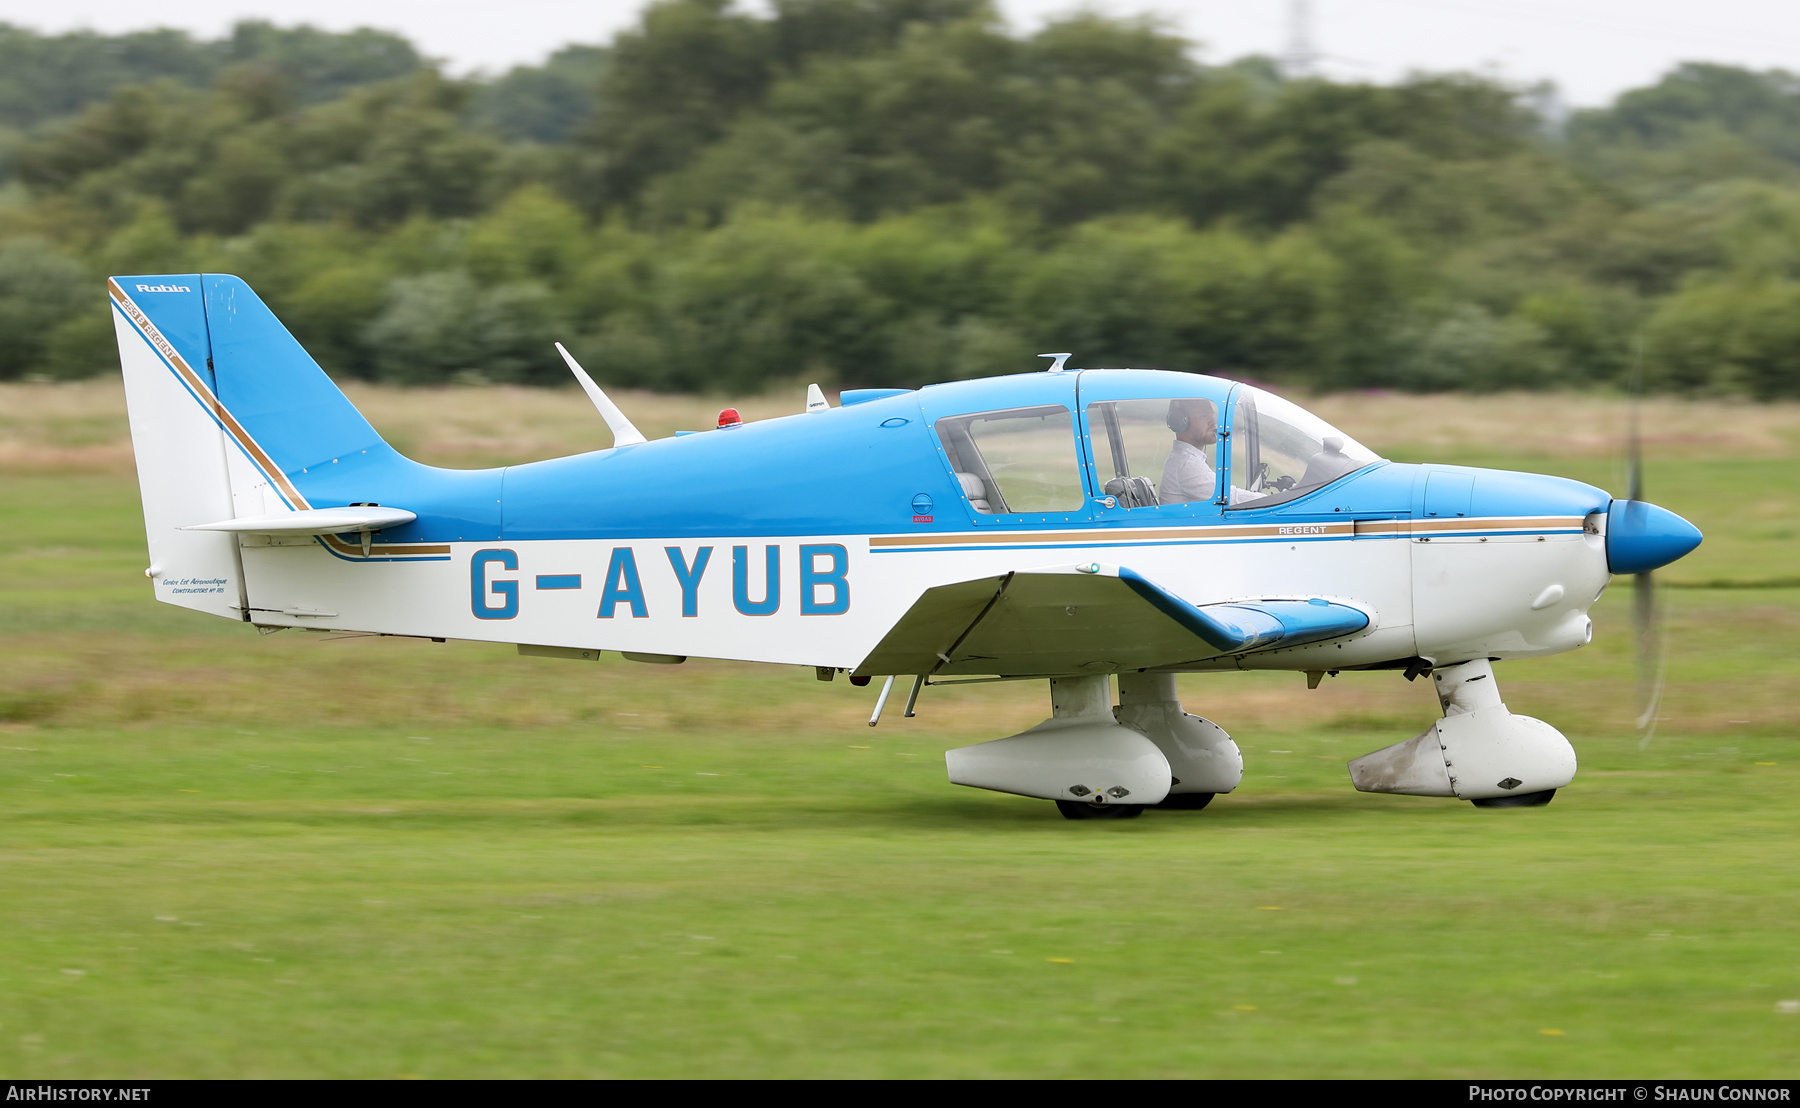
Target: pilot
[{"x": 1187, "y": 476}]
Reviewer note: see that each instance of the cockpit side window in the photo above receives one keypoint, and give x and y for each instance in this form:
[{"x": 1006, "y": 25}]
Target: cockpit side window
[
  {"x": 1280, "y": 451},
  {"x": 1162, "y": 451},
  {"x": 1015, "y": 461}
]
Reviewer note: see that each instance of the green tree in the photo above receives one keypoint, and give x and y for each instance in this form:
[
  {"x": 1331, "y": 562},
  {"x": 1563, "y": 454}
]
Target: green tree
[
  {"x": 317, "y": 66},
  {"x": 41, "y": 289},
  {"x": 1238, "y": 152},
  {"x": 676, "y": 84},
  {"x": 1469, "y": 348},
  {"x": 441, "y": 327},
  {"x": 1694, "y": 100},
  {"x": 1728, "y": 335},
  {"x": 44, "y": 77},
  {"x": 533, "y": 234},
  {"x": 672, "y": 87},
  {"x": 545, "y": 103}
]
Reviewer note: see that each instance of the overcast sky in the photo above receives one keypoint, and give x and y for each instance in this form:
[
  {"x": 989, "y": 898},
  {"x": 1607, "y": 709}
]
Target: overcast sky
[{"x": 1591, "y": 49}]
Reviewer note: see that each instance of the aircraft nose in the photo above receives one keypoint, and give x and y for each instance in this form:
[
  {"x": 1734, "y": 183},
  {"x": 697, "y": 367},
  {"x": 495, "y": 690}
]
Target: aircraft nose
[{"x": 1641, "y": 537}]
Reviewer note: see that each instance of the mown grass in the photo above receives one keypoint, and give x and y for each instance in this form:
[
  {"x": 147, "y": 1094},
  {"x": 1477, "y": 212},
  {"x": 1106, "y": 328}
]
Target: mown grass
[{"x": 224, "y": 855}]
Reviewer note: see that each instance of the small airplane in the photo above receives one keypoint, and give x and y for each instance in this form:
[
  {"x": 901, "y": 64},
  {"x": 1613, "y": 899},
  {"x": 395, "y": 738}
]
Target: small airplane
[{"x": 1076, "y": 526}]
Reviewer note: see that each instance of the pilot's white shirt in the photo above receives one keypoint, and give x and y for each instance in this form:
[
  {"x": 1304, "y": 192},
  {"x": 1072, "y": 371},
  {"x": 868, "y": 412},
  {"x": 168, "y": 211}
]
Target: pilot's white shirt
[{"x": 1186, "y": 476}]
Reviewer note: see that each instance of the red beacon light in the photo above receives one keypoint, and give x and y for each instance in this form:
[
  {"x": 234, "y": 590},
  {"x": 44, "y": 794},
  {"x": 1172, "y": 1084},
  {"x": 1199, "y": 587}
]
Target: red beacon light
[{"x": 729, "y": 418}]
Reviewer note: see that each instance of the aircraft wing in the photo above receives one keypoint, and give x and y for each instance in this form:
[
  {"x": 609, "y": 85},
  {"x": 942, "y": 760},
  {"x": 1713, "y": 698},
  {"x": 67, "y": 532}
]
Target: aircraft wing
[{"x": 1086, "y": 619}]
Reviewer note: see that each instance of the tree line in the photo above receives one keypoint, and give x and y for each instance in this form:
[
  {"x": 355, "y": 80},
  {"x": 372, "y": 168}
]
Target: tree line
[{"x": 893, "y": 192}]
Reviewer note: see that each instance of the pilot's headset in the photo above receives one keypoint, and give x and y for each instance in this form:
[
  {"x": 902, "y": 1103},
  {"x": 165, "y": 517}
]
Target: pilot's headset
[{"x": 1178, "y": 419}]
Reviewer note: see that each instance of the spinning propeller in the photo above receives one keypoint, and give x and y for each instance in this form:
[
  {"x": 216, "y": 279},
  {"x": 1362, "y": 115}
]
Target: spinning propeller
[{"x": 1652, "y": 661}]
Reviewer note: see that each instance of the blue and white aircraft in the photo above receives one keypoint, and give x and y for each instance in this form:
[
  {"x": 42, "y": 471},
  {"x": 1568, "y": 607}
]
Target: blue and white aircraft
[{"x": 1075, "y": 526}]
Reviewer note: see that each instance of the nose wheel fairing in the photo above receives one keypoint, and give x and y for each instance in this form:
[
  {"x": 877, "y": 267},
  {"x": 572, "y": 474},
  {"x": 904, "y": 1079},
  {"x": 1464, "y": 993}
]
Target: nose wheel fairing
[{"x": 1480, "y": 750}]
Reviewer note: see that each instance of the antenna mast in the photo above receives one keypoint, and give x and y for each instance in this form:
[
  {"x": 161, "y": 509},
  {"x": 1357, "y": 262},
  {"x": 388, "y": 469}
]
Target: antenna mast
[{"x": 1300, "y": 58}]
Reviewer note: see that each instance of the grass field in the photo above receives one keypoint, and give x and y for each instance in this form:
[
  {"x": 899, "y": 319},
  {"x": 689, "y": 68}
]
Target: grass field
[{"x": 224, "y": 855}]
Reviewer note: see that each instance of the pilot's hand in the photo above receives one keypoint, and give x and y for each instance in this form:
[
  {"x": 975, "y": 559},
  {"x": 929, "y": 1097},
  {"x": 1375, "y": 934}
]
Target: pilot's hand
[{"x": 1283, "y": 483}]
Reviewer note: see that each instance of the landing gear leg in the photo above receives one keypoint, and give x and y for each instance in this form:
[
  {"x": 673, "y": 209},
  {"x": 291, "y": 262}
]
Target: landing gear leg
[{"x": 1203, "y": 761}]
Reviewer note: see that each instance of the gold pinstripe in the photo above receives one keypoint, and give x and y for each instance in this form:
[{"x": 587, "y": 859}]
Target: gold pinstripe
[{"x": 1394, "y": 528}]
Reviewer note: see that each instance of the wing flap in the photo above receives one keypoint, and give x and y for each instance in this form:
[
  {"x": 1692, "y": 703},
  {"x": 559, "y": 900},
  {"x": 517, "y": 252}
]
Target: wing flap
[
  {"x": 1090, "y": 618},
  {"x": 1245, "y": 626}
]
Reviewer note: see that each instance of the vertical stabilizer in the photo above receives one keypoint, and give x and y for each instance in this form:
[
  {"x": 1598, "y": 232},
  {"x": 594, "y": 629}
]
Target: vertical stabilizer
[
  {"x": 232, "y": 419},
  {"x": 166, "y": 355},
  {"x": 292, "y": 416}
]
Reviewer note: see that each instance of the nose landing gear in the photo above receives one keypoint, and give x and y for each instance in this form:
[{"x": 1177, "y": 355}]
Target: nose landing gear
[{"x": 1479, "y": 751}]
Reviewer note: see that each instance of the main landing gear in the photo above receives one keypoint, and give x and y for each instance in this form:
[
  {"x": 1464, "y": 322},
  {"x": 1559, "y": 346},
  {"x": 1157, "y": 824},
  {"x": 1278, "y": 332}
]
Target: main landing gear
[{"x": 1098, "y": 761}]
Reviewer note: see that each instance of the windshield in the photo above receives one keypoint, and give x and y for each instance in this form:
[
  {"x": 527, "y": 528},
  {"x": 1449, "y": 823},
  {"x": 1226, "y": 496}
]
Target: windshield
[{"x": 1280, "y": 451}]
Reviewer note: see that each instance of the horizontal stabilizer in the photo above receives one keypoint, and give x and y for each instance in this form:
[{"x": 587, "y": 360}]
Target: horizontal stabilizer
[
  {"x": 313, "y": 521},
  {"x": 1090, "y": 618}
]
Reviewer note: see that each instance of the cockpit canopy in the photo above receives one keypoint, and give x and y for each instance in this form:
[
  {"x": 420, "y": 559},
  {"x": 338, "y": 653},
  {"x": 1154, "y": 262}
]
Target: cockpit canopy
[{"x": 1152, "y": 440}]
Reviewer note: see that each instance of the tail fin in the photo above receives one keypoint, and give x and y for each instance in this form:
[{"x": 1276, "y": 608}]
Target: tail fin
[
  {"x": 179, "y": 440},
  {"x": 226, "y": 411}
]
